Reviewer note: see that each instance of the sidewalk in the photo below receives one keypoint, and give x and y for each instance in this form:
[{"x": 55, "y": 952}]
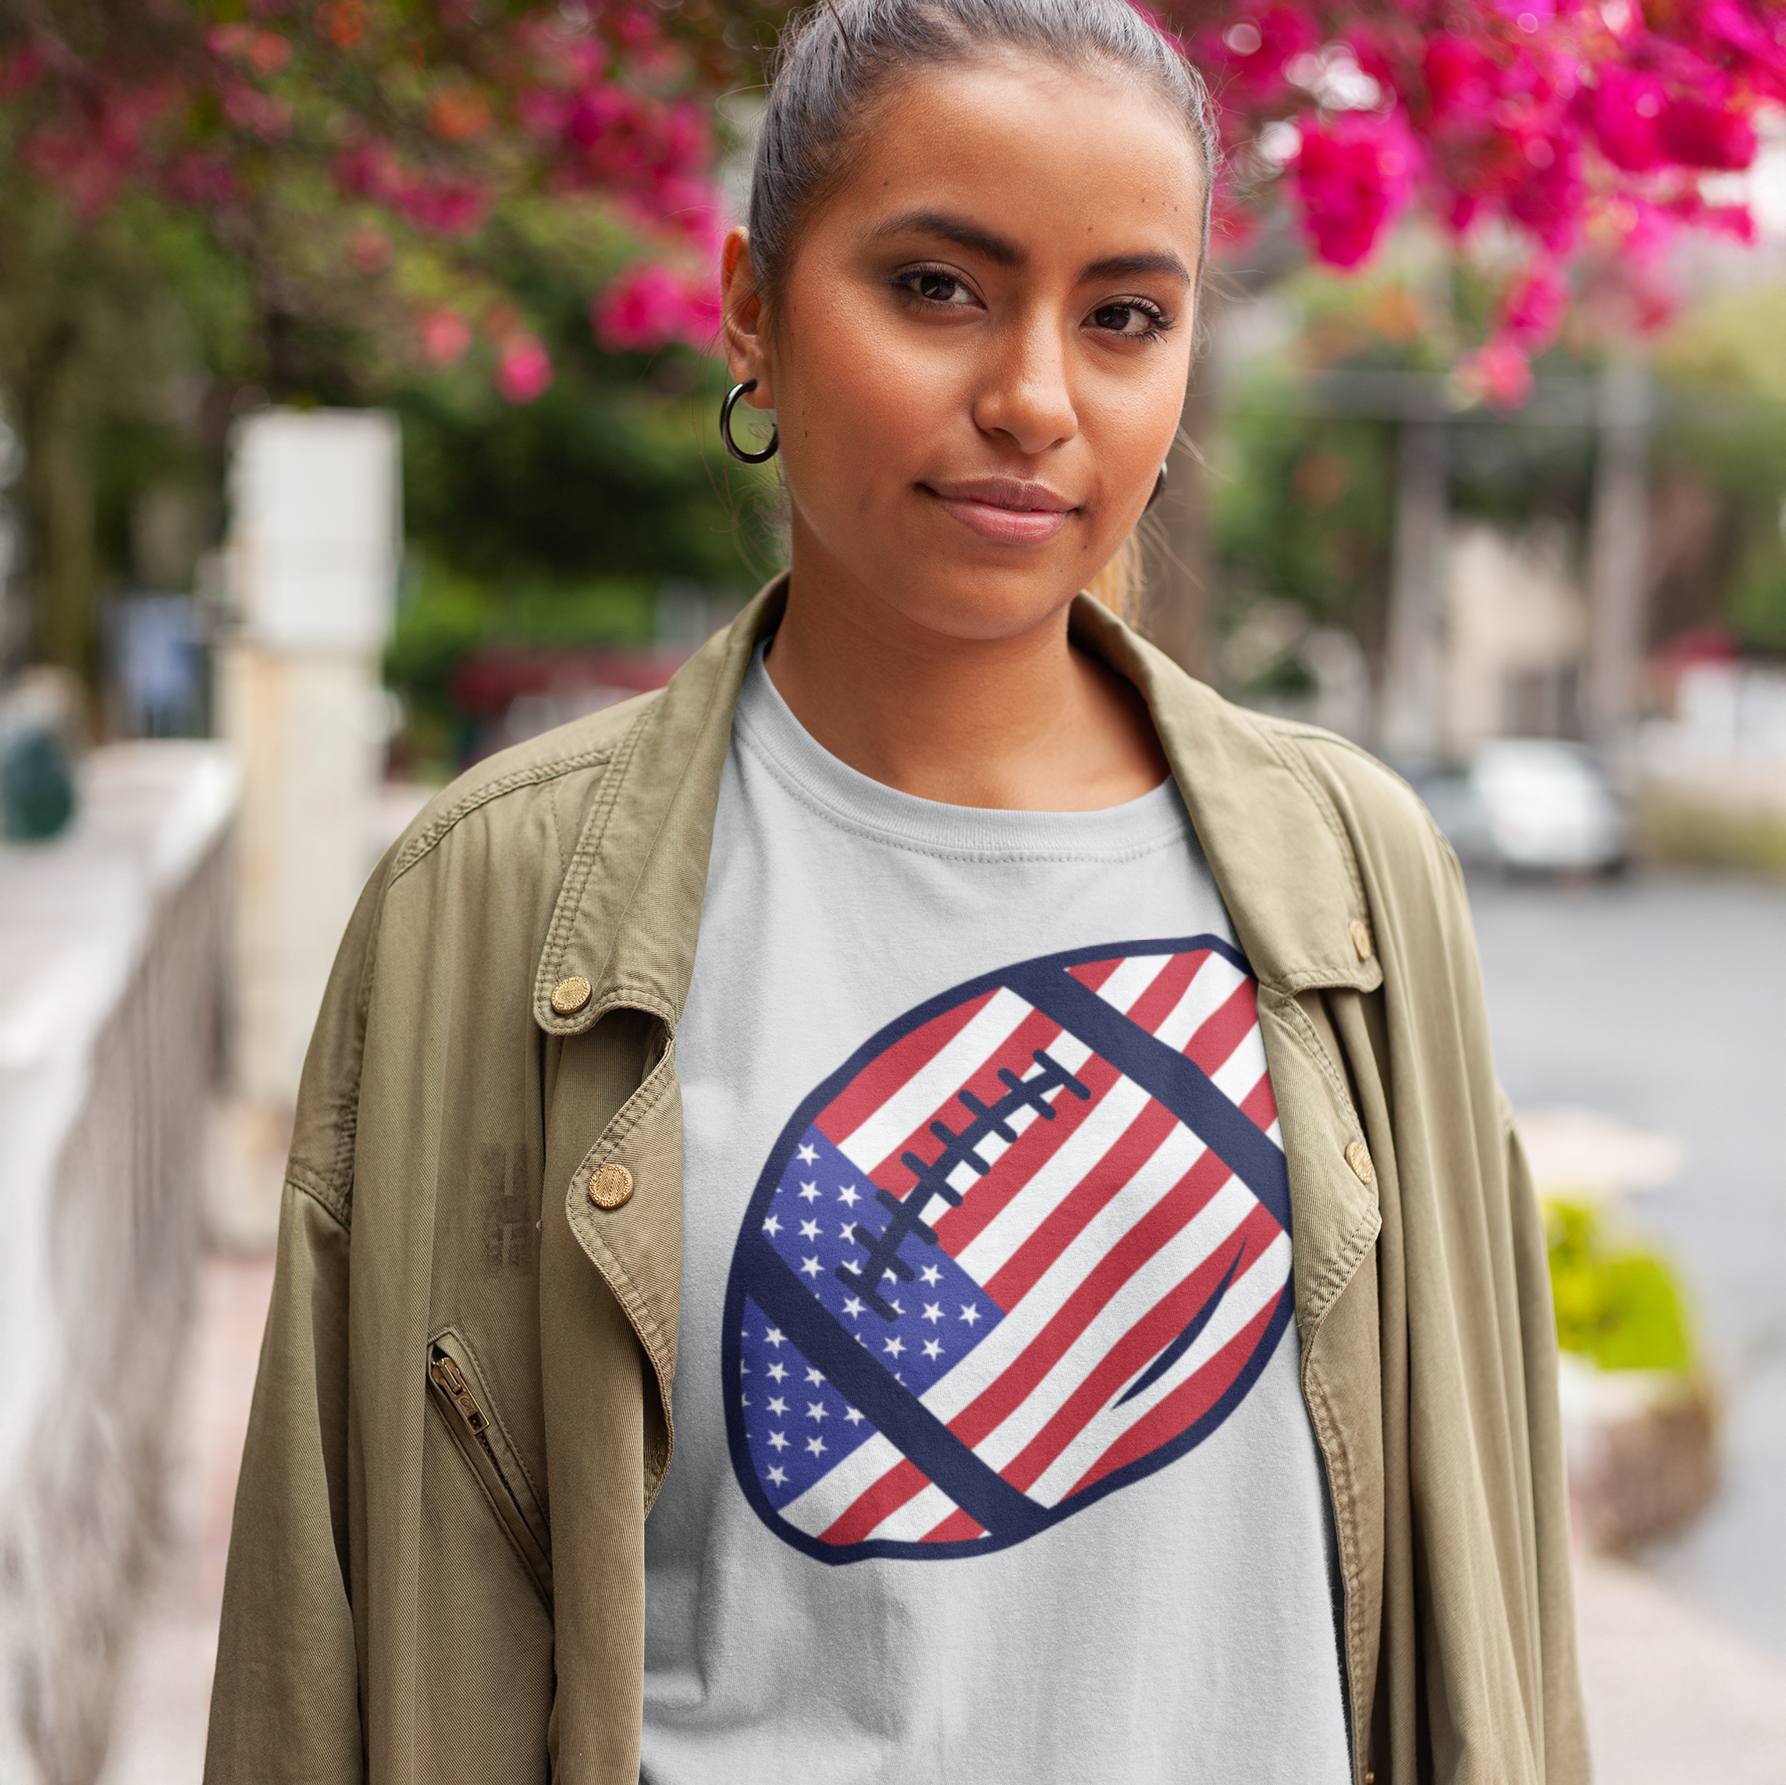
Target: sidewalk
[{"x": 1673, "y": 1699}]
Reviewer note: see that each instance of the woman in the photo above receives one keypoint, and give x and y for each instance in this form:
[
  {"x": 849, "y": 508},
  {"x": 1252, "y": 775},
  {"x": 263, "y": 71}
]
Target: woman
[{"x": 1061, "y": 1215}]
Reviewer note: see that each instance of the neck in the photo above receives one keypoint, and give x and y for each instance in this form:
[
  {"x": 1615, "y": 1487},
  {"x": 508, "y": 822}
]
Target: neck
[{"x": 1023, "y": 721}]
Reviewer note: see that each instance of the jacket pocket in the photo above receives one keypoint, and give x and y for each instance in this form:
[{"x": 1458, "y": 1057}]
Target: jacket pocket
[{"x": 462, "y": 1397}]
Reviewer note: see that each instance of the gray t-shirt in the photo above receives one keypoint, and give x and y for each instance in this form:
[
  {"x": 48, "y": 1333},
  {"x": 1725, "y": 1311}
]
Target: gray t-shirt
[{"x": 991, "y": 1460}]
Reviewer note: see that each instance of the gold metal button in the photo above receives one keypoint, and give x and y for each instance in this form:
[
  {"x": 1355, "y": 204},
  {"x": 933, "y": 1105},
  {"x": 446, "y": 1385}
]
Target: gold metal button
[
  {"x": 611, "y": 1187},
  {"x": 1361, "y": 939},
  {"x": 1357, "y": 1156},
  {"x": 570, "y": 995}
]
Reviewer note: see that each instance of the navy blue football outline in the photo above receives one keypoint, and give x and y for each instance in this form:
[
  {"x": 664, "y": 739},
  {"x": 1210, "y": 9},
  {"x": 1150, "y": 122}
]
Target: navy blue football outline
[{"x": 1006, "y": 1513}]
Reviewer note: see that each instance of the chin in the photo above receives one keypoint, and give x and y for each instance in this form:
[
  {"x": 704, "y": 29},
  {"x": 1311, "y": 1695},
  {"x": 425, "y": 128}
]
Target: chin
[{"x": 975, "y": 604}]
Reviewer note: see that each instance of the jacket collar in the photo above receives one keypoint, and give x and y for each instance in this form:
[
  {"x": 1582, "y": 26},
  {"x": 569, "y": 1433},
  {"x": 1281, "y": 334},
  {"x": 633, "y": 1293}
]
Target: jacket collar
[{"x": 629, "y": 912}]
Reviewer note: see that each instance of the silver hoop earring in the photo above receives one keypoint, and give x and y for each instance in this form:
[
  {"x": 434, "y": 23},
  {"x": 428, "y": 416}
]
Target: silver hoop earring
[
  {"x": 1159, "y": 489},
  {"x": 725, "y": 429}
]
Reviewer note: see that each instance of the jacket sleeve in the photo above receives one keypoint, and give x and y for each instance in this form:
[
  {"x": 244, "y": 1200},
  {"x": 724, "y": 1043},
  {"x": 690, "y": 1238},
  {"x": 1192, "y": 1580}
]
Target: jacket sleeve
[{"x": 285, "y": 1703}]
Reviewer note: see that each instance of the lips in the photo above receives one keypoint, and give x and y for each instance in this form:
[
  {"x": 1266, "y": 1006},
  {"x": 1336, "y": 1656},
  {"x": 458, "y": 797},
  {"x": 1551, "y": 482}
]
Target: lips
[{"x": 1006, "y": 509}]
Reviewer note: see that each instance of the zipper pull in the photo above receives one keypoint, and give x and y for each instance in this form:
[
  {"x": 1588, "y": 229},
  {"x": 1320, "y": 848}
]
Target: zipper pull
[{"x": 447, "y": 1377}]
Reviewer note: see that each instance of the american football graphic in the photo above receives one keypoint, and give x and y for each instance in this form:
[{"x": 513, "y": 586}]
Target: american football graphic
[{"x": 1027, "y": 1245}]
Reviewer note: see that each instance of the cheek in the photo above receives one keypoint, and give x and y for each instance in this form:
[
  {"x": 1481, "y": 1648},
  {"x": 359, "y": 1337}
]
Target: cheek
[{"x": 859, "y": 412}]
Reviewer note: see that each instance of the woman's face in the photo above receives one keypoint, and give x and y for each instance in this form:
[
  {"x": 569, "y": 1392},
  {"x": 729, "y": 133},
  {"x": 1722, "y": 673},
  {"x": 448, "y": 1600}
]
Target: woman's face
[{"x": 981, "y": 352}]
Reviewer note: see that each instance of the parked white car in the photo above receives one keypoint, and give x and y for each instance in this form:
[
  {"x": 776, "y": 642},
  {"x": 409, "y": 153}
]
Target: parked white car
[{"x": 1533, "y": 804}]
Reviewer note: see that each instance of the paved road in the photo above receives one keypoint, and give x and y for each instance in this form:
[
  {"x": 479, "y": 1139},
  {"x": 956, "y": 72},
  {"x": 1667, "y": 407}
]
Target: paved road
[{"x": 1661, "y": 1001}]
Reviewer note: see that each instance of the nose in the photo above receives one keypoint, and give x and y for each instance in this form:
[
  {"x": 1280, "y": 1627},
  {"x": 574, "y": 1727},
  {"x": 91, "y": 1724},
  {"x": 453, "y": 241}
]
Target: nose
[{"x": 1026, "y": 397}]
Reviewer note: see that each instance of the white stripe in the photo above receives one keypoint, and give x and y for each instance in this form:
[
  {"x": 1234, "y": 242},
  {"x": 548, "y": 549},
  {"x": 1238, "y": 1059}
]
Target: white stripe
[
  {"x": 1131, "y": 979},
  {"x": 993, "y": 1247},
  {"x": 1203, "y": 997},
  {"x": 1001, "y": 1348},
  {"x": 917, "y": 1518},
  {"x": 1213, "y": 1224},
  {"x": 935, "y": 1082},
  {"x": 1247, "y": 1295},
  {"x": 1242, "y": 1069},
  {"x": 831, "y": 1496},
  {"x": 1169, "y": 1267}
]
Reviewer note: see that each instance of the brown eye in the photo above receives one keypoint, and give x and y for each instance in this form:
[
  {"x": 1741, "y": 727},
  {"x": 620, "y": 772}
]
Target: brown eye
[
  {"x": 1126, "y": 319},
  {"x": 934, "y": 286}
]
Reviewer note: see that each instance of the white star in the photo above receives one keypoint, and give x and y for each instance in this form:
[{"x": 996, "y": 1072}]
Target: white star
[
  {"x": 848, "y": 1197},
  {"x": 778, "y": 1405},
  {"x": 815, "y": 1409},
  {"x": 894, "y": 1346},
  {"x": 809, "y": 1230},
  {"x": 815, "y": 1377},
  {"x": 970, "y": 1313},
  {"x": 933, "y": 1312},
  {"x": 776, "y": 1372},
  {"x": 744, "y": 1369},
  {"x": 932, "y": 1348},
  {"x": 897, "y": 1309},
  {"x": 809, "y": 1192},
  {"x": 888, "y": 1272},
  {"x": 848, "y": 1232},
  {"x": 745, "y": 1399},
  {"x": 772, "y": 1226},
  {"x": 852, "y": 1307},
  {"x": 816, "y": 1446},
  {"x": 811, "y": 1266},
  {"x": 851, "y": 1416},
  {"x": 778, "y": 1440},
  {"x": 931, "y": 1274},
  {"x": 807, "y": 1154},
  {"x": 776, "y": 1337},
  {"x": 778, "y": 1476}
]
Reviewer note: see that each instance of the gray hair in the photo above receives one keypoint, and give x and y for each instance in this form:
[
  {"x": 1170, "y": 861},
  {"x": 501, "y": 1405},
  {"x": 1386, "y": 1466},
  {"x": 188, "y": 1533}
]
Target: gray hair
[{"x": 837, "y": 59}]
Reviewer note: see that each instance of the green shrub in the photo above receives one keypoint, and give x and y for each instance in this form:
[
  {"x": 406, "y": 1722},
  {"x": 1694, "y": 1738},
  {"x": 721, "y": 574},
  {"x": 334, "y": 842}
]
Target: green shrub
[{"x": 1618, "y": 1304}]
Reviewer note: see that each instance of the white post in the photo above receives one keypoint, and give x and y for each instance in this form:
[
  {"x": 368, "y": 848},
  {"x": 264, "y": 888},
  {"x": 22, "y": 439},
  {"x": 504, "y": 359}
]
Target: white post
[
  {"x": 314, "y": 542},
  {"x": 1415, "y": 669},
  {"x": 1618, "y": 554}
]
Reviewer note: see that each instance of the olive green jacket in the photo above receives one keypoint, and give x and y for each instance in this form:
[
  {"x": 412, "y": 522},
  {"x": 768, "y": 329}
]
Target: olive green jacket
[{"x": 463, "y": 1412}]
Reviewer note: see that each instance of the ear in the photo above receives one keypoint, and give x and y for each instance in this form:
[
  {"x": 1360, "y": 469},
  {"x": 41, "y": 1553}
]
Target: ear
[{"x": 746, "y": 339}]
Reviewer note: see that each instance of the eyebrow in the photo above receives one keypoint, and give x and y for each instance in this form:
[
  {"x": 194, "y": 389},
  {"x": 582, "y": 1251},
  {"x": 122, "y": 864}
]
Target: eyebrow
[{"x": 1007, "y": 254}]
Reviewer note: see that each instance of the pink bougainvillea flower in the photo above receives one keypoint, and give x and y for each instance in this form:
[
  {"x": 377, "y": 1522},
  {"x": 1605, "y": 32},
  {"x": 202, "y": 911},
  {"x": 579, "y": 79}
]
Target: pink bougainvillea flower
[
  {"x": 445, "y": 336},
  {"x": 1535, "y": 307},
  {"x": 1622, "y": 109},
  {"x": 370, "y": 248},
  {"x": 650, "y": 305},
  {"x": 523, "y": 369},
  {"x": 1354, "y": 176},
  {"x": 1548, "y": 200},
  {"x": 1695, "y": 134},
  {"x": 1499, "y": 372}
]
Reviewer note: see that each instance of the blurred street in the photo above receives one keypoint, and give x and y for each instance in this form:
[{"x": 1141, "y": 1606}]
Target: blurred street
[{"x": 1658, "y": 1001}]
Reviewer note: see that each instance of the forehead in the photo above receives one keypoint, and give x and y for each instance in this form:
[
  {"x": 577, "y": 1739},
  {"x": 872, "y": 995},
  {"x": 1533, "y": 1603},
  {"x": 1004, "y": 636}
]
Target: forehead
[{"x": 1064, "y": 159}]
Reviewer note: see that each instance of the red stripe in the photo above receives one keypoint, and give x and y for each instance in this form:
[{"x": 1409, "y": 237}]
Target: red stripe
[
  {"x": 1261, "y": 1103},
  {"x": 1145, "y": 1340},
  {"x": 879, "y": 1500},
  {"x": 1161, "y": 997},
  {"x": 1167, "y": 1217},
  {"x": 1069, "y": 1218},
  {"x": 1224, "y": 1029},
  {"x": 1185, "y": 1405},
  {"x": 1093, "y": 973},
  {"x": 1014, "y": 1053},
  {"x": 882, "y": 1076},
  {"x": 955, "y": 1528},
  {"x": 1018, "y": 1164}
]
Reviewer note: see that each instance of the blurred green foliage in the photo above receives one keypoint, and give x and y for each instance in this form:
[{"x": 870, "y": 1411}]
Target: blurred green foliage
[{"x": 1618, "y": 1304}]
